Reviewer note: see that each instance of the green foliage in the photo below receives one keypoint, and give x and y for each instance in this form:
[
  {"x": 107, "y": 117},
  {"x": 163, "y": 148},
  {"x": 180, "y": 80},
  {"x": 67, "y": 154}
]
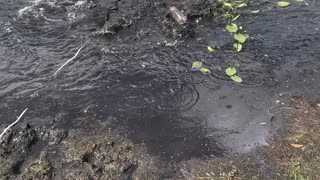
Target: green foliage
[
  {"x": 242, "y": 5},
  {"x": 236, "y": 78},
  {"x": 229, "y": 5},
  {"x": 230, "y": 8},
  {"x": 242, "y": 38},
  {"x": 232, "y": 28},
  {"x": 196, "y": 65},
  {"x": 235, "y": 18},
  {"x": 237, "y": 47},
  {"x": 210, "y": 49},
  {"x": 230, "y": 71},
  {"x": 283, "y": 3},
  {"x": 205, "y": 70},
  {"x": 256, "y": 11}
]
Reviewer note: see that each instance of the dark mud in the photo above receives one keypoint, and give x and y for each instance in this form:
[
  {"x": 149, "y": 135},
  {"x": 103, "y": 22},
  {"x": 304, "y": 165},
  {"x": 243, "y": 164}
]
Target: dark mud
[
  {"x": 134, "y": 73},
  {"x": 101, "y": 152}
]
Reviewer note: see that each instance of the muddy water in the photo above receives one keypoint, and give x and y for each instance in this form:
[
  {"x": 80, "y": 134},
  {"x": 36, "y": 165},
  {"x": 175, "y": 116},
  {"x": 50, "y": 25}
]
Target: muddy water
[{"x": 140, "y": 78}]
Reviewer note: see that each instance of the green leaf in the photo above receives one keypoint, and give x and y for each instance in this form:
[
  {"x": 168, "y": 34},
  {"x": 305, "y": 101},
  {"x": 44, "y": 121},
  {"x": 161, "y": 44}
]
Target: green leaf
[
  {"x": 237, "y": 47},
  {"x": 196, "y": 65},
  {"x": 235, "y": 18},
  {"x": 232, "y": 28},
  {"x": 236, "y": 78},
  {"x": 228, "y": 5},
  {"x": 242, "y": 5},
  {"x": 256, "y": 11},
  {"x": 263, "y": 123},
  {"x": 205, "y": 70},
  {"x": 283, "y": 3},
  {"x": 230, "y": 71},
  {"x": 300, "y": 1},
  {"x": 210, "y": 49},
  {"x": 241, "y": 37}
]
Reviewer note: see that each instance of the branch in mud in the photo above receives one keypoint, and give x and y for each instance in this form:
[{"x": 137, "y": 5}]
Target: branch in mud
[
  {"x": 6, "y": 129},
  {"x": 68, "y": 60}
]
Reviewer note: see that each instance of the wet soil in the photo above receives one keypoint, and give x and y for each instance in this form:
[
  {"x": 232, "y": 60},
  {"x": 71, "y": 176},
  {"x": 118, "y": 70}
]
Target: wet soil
[{"x": 100, "y": 152}]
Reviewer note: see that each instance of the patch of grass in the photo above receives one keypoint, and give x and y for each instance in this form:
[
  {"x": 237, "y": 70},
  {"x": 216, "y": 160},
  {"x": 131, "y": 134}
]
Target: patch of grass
[
  {"x": 7, "y": 166},
  {"x": 301, "y": 125},
  {"x": 38, "y": 170}
]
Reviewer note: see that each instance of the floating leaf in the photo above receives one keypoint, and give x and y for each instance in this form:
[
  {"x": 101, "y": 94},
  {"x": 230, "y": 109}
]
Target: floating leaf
[
  {"x": 237, "y": 47},
  {"x": 300, "y": 1},
  {"x": 205, "y": 70},
  {"x": 232, "y": 28},
  {"x": 241, "y": 37},
  {"x": 296, "y": 145},
  {"x": 196, "y": 65},
  {"x": 230, "y": 71},
  {"x": 283, "y": 3},
  {"x": 210, "y": 49},
  {"x": 263, "y": 123},
  {"x": 255, "y": 11},
  {"x": 236, "y": 78},
  {"x": 242, "y": 5},
  {"x": 235, "y": 18}
]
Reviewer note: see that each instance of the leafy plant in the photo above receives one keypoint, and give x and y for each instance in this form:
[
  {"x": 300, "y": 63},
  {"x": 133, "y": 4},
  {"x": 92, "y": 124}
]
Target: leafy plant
[
  {"x": 235, "y": 18},
  {"x": 242, "y": 38},
  {"x": 236, "y": 78},
  {"x": 237, "y": 47},
  {"x": 232, "y": 27},
  {"x": 198, "y": 65},
  {"x": 232, "y": 71},
  {"x": 205, "y": 70}
]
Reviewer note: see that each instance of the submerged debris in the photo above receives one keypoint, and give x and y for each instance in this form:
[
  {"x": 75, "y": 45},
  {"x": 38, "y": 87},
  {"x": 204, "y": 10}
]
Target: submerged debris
[
  {"x": 182, "y": 27},
  {"x": 177, "y": 15}
]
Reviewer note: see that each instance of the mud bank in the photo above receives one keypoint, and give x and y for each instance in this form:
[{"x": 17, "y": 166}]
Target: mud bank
[
  {"x": 105, "y": 153},
  {"x": 76, "y": 154}
]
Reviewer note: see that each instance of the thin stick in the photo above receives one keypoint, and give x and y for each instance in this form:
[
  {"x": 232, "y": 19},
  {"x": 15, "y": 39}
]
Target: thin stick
[
  {"x": 6, "y": 129},
  {"x": 69, "y": 60}
]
